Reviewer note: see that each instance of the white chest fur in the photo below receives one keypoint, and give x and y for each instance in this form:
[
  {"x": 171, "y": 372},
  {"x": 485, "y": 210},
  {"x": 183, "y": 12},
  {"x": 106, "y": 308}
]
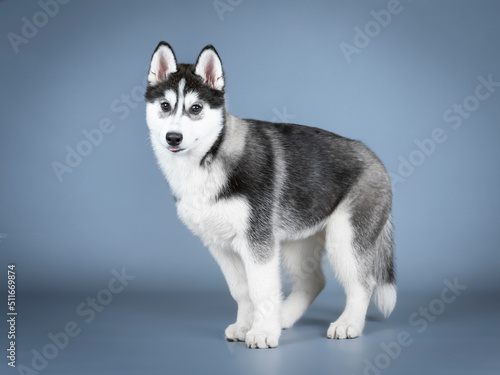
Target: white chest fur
[{"x": 216, "y": 222}]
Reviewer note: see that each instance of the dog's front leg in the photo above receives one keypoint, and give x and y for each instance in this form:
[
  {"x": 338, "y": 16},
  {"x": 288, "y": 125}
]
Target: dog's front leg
[
  {"x": 264, "y": 286},
  {"x": 234, "y": 271}
]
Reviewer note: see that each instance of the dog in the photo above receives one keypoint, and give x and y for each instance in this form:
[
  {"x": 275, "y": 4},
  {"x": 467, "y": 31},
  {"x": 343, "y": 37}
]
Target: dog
[{"x": 261, "y": 195}]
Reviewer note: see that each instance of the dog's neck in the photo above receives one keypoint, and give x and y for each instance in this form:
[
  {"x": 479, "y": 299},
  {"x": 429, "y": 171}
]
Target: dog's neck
[{"x": 204, "y": 174}]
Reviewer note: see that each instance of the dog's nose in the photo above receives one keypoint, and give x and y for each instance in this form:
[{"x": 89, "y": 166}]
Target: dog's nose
[{"x": 174, "y": 139}]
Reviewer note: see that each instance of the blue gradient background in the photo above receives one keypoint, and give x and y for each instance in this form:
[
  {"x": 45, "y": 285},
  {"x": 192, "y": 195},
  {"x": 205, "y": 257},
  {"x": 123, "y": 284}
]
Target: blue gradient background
[{"x": 115, "y": 210}]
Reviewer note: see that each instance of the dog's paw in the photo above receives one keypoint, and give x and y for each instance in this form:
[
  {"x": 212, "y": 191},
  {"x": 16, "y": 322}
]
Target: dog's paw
[
  {"x": 343, "y": 329},
  {"x": 262, "y": 339},
  {"x": 236, "y": 332}
]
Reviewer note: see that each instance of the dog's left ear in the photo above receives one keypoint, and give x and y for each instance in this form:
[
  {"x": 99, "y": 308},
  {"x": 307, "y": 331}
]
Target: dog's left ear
[{"x": 209, "y": 68}]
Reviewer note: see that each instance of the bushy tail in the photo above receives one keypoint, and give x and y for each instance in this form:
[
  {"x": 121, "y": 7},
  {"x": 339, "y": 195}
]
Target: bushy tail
[{"x": 384, "y": 294}]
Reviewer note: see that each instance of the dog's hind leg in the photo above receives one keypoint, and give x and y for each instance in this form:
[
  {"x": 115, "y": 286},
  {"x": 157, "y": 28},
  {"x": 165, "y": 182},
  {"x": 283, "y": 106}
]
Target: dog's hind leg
[
  {"x": 302, "y": 260},
  {"x": 353, "y": 271}
]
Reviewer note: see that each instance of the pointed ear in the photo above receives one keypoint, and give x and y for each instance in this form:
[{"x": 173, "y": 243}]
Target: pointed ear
[
  {"x": 163, "y": 63},
  {"x": 209, "y": 68}
]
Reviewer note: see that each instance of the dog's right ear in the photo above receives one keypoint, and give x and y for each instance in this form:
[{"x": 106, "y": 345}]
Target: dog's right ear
[{"x": 163, "y": 63}]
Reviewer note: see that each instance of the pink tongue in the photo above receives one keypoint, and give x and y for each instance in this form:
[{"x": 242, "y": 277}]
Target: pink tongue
[{"x": 173, "y": 148}]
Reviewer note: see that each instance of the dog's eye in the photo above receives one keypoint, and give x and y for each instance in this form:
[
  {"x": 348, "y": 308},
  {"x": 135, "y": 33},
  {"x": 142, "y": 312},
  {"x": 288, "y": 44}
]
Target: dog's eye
[
  {"x": 195, "y": 109},
  {"x": 165, "y": 107}
]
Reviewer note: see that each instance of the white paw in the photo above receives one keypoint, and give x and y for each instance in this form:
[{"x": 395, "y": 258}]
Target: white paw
[
  {"x": 236, "y": 332},
  {"x": 342, "y": 329},
  {"x": 262, "y": 339}
]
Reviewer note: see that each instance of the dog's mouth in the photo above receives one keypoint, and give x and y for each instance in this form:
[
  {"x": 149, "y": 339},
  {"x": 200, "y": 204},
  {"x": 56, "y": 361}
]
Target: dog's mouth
[{"x": 175, "y": 149}]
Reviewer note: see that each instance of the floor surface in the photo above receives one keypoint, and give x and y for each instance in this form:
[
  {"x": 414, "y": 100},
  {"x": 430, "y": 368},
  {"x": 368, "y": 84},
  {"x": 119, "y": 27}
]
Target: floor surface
[{"x": 182, "y": 333}]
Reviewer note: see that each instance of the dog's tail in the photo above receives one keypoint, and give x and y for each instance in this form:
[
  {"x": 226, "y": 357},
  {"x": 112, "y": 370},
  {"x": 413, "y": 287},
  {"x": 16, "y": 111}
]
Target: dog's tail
[{"x": 384, "y": 294}]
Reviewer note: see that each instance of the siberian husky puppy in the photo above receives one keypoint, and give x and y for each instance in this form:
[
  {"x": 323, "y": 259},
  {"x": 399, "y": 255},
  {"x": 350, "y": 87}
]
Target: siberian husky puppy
[{"x": 261, "y": 194}]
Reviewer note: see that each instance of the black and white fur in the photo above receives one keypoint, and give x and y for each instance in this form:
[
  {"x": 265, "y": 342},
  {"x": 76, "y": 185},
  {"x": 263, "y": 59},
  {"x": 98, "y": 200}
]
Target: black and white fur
[{"x": 262, "y": 194}]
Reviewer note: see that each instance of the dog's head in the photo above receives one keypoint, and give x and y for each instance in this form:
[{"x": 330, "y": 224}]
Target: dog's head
[{"x": 185, "y": 102}]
